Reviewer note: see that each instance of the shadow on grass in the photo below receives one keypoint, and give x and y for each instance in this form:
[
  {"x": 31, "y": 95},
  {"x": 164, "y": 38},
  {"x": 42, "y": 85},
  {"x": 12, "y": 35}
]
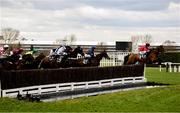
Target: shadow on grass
[{"x": 156, "y": 84}]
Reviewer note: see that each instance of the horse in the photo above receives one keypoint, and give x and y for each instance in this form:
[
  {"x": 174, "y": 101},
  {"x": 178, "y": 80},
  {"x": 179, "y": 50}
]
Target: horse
[
  {"x": 48, "y": 63},
  {"x": 6, "y": 64},
  {"x": 132, "y": 59},
  {"x": 151, "y": 57},
  {"x": 95, "y": 61},
  {"x": 154, "y": 55},
  {"x": 26, "y": 62},
  {"x": 77, "y": 53},
  {"x": 38, "y": 60}
]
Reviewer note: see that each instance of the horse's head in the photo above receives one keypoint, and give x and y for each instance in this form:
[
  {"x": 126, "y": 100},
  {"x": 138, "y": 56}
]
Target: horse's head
[
  {"x": 68, "y": 49},
  {"x": 104, "y": 54},
  {"x": 40, "y": 56},
  {"x": 152, "y": 56},
  {"x": 160, "y": 49}
]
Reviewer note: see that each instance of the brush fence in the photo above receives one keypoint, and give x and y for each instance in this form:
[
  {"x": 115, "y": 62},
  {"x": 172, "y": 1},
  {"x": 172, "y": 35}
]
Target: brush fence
[{"x": 70, "y": 79}]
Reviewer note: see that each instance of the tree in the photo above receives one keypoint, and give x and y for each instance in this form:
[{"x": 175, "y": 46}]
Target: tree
[
  {"x": 9, "y": 35},
  {"x": 140, "y": 39}
]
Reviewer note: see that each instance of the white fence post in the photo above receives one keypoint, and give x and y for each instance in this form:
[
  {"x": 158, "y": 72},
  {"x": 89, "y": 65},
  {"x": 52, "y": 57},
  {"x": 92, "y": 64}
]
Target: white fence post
[
  {"x": 170, "y": 67},
  {"x": 72, "y": 86},
  {"x": 39, "y": 90},
  {"x": 86, "y": 85},
  {"x": 144, "y": 70},
  {"x": 160, "y": 68},
  {"x": 57, "y": 87},
  {"x": 175, "y": 69}
]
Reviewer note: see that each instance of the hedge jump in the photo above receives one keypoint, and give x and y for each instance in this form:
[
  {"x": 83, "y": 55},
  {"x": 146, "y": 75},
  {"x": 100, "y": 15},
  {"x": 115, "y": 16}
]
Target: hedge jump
[{"x": 30, "y": 78}]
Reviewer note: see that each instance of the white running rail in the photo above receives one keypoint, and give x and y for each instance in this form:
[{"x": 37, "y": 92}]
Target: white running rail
[
  {"x": 170, "y": 67},
  {"x": 62, "y": 87}
]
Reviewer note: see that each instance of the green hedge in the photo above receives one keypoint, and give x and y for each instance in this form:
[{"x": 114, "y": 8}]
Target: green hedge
[{"x": 170, "y": 57}]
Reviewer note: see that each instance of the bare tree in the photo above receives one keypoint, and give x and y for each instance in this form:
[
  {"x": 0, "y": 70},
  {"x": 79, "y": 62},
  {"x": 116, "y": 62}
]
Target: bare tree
[
  {"x": 9, "y": 35},
  {"x": 142, "y": 39},
  {"x": 147, "y": 38}
]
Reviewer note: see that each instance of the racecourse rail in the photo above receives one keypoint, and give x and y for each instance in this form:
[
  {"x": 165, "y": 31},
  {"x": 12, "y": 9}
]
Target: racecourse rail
[
  {"x": 170, "y": 67},
  {"x": 69, "y": 79}
]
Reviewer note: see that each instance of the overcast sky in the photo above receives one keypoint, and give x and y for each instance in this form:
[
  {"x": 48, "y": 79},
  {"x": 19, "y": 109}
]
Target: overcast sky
[{"x": 93, "y": 20}]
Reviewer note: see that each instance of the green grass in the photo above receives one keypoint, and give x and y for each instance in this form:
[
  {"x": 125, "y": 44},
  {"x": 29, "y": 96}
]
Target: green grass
[
  {"x": 160, "y": 99},
  {"x": 153, "y": 75}
]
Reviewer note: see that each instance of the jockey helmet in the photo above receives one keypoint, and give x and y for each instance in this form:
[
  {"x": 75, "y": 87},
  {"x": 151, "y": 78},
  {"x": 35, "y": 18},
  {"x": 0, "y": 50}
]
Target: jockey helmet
[
  {"x": 6, "y": 46},
  {"x": 147, "y": 44},
  {"x": 93, "y": 47}
]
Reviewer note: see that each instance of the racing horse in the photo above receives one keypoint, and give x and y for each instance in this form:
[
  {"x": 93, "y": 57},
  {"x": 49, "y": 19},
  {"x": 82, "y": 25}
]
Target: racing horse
[
  {"x": 26, "y": 62},
  {"x": 95, "y": 61},
  {"x": 56, "y": 61},
  {"x": 48, "y": 63},
  {"x": 77, "y": 53},
  {"x": 151, "y": 57}
]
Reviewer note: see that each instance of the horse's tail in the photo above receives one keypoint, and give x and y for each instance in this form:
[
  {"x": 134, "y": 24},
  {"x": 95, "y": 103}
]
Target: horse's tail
[{"x": 126, "y": 59}]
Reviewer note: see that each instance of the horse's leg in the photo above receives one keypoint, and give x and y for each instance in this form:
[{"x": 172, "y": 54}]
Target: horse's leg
[
  {"x": 131, "y": 59},
  {"x": 125, "y": 59}
]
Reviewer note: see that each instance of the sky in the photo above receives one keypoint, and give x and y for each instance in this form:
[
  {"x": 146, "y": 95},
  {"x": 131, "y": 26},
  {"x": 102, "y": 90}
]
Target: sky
[{"x": 93, "y": 20}]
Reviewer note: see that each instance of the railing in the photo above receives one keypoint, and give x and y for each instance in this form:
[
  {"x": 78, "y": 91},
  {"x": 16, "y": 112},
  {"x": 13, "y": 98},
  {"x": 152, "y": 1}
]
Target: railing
[
  {"x": 63, "y": 87},
  {"x": 170, "y": 67},
  {"x": 116, "y": 59}
]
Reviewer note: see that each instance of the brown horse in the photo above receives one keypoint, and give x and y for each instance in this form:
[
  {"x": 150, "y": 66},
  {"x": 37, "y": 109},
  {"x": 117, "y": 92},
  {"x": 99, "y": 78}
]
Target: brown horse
[
  {"x": 47, "y": 63},
  {"x": 93, "y": 61},
  {"x": 132, "y": 59},
  {"x": 26, "y": 62},
  {"x": 152, "y": 57}
]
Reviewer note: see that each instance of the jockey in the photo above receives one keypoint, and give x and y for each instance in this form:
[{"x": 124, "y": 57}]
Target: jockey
[
  {"x": 17, "y": 51},
  {"x": 4, "y": 50},
  {"x": 89, "y": 55},
  {"x": 32, "y": 51},
  {"x": 17, "y": 54},
  {"x": 1, "y": 50},
  {"x": 91, "y": 51},
  {"x": 61, "y": 50},
  {"x": 79, "y": 50},
  {"x": 143, "y": 50}
]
